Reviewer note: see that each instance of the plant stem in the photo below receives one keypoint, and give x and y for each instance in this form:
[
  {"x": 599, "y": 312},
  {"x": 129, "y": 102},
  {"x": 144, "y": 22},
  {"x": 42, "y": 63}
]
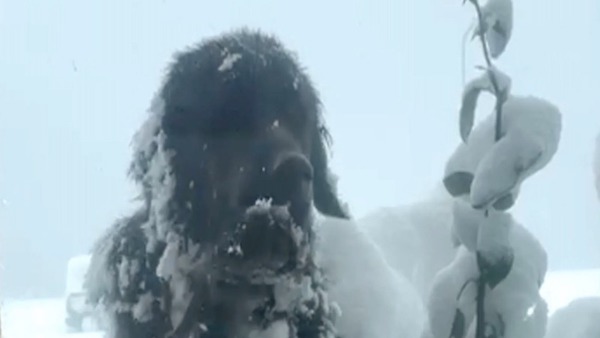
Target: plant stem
[
  {"x": 480, "y": 327},
  {"x": 499, "y": 96}
]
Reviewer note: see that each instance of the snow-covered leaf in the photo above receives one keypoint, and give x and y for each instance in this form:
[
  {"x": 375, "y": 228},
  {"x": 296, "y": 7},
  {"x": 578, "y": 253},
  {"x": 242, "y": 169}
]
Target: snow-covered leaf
[
  {"x": 452, "y": 292},
  {"x": 466, "y": 222},
  {"x": 523, "y": 314},
  {"x": 458, "y": 183},
  {"x": 495, "y": 271},
  {"x": 516, "y": 299},
  {"x": 458, "y": 174},
  {"x": 502, "y": 79},
  {"x": 531, "y": 128},
  {"x": 502, "y": 169},
  {"x": 471, "y": 94},
  {"x": 497, "y": 25},
  {"x": 505, "y": 202},
  {"x": 493, "y": 247},
  {"x": 469, "y": 103}
]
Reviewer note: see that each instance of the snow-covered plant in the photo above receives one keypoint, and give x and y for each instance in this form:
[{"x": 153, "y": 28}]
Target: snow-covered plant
[
  {"x": 514, "y": 307},
  {"x": 496, "y": 276}
]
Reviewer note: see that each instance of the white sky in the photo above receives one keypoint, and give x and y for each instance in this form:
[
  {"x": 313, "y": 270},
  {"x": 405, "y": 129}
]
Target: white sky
[{"x": 77, "y": 76}]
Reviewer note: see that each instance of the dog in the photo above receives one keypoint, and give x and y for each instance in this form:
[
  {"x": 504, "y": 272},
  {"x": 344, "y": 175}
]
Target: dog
[{"x": 232, "y": 165}]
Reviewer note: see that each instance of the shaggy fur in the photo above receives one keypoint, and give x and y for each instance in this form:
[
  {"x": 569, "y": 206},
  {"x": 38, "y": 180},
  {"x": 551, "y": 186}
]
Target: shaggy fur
[{"x": 236, "y": 121}]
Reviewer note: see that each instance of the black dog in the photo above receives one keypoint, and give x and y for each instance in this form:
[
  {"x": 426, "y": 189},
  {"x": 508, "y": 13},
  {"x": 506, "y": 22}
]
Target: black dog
[{"x": 230, "y": 162}]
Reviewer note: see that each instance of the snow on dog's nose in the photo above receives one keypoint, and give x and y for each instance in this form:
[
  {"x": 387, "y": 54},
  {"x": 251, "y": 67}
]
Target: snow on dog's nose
[
  {"x": 291, "y": 184},
  {"x": 286, "y": 179}
]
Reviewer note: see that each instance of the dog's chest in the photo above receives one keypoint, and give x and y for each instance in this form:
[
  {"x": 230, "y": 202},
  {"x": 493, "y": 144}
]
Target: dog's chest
[
  {"x": 278, "y": 329},
  {"x": 236, "y": 314}
]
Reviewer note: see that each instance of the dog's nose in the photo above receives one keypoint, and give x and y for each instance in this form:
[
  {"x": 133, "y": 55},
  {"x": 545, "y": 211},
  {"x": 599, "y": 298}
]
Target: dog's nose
[
  {"x": 287, "y": 180},
  {"x": 291, "y": 179},
  {"x": 294, "y": 166}
]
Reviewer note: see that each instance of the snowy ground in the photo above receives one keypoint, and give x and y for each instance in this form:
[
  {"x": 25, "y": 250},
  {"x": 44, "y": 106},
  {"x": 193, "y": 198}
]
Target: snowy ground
[
  {"x": 38, "y": 318},
  {"x": 44, "y": 318}
]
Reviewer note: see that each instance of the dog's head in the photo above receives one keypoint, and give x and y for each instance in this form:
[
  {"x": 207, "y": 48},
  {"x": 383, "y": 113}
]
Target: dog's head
[{"x": 236, "y": 121}]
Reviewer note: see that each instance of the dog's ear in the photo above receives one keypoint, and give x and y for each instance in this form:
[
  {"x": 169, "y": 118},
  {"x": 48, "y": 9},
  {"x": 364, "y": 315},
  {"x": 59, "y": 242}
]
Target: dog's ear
[{"x": 325, "y": 193}]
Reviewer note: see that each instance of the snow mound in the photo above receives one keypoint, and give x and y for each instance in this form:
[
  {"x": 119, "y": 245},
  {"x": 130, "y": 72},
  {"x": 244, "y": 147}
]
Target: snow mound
[
  {"x": 415, "y": 238},
  {"x": 375, "y": 300},
  {"x": 76, "y": 269},
  {"x": 563, "y": 286},
  {"x": 579, "y": 319}
]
